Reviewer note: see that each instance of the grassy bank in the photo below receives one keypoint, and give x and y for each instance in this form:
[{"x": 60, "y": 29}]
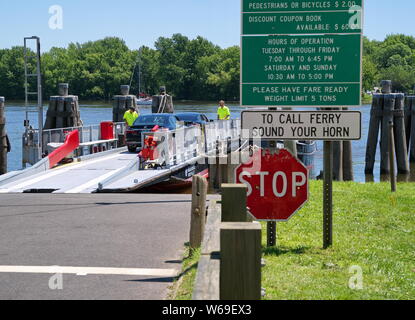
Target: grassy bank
[{"x": 373, "y": 230}]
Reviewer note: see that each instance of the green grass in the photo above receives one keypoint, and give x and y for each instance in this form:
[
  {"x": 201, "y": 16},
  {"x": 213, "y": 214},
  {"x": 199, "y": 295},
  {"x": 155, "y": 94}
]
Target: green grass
[
  {"x": 373, "y": 229},
  {"x": 182, "y": 289}
]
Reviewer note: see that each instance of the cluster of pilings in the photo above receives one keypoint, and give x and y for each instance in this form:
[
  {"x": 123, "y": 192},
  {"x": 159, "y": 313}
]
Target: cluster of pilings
[
  {"x": 122, "y": 103},
  {"x": 63, "y": 111},
  {"x": 388, "y": 108}
]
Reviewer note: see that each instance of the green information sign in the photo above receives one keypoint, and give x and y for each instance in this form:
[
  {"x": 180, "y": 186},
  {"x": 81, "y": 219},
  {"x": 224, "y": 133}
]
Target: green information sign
[
  {"x": 299, "y": 23},
  {"x": 328, "y": 58},
  {"x": 298, "y": 5},
  {"x": 301, "y": 53},
  {"x": 306, "y": 95}
]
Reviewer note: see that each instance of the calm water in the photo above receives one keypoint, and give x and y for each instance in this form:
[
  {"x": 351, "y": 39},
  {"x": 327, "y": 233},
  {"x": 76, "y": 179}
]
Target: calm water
[{"x": 95, "y": 113}]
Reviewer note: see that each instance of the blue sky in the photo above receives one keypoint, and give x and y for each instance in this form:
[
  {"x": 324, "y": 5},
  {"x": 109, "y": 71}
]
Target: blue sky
[{"x": 141, "y": 22}]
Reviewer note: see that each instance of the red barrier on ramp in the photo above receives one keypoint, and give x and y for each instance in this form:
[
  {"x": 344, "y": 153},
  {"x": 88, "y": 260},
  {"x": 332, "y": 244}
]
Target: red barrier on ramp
[{"x": 71, "y": 144}]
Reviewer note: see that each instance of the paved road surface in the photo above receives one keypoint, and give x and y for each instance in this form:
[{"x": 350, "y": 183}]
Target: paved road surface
[{"x": 142, "y": 236}]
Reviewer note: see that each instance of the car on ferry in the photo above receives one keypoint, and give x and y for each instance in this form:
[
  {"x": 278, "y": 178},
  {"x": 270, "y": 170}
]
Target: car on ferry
[
  {"x": 146, "y": 123},
  {"x": 192, "y": 118}
]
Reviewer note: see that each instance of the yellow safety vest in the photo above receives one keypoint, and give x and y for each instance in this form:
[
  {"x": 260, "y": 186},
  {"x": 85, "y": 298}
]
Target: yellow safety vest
[
  {"x": 224, "y": 113},
  {"x": 130, "y": 117}
]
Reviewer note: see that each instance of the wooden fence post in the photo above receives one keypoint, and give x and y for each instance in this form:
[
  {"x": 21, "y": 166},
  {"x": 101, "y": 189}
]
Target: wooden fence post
[
  {"x": 234, "y": 208},
  {"x": 198, "y": 218},
  {"x": 240, "y": 264}
]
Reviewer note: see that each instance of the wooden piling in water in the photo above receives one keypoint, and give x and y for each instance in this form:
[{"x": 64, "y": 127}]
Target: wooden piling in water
[
  {"x": 348, "y": 173},
  {"x": 338, "y": 160},
  {"x": 407, "y": 121},
  {"x": 3, "y": 138},
  {"x": 391, "y": 146},
  {"x": 122, "y": 102},
  {"x": 400, "y": 135},
  {"x": 373, "y": 136},
  {"x": 411, "y": 129},
  {"x": 63, "y": 111},
  {"x": 388, "y": 111}
]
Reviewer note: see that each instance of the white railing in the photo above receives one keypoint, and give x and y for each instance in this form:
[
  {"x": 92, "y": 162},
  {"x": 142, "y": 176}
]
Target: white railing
[
  {"x": 31, "y": 150},
  {"x": 86, "y": 133},
  {"x": 187, "y": 143}
]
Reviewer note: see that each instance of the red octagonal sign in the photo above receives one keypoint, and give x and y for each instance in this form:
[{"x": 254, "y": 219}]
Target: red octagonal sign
[{"x": 277, "y": 184}]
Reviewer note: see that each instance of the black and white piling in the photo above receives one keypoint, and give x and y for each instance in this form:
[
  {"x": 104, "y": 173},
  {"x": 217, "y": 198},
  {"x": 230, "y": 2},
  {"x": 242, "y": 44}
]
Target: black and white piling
[
  {"x": 63, "y": 110},
  {"x": 122, "y": 103}
]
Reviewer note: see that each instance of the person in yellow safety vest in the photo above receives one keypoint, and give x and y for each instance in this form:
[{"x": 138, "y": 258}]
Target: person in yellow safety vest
[
  {"x": 130, "y": 116},
  {"x": 223, "y": 112}
]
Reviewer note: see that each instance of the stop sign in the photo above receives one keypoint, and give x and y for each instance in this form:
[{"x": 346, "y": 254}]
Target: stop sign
[{"x": 277, "y": 184}]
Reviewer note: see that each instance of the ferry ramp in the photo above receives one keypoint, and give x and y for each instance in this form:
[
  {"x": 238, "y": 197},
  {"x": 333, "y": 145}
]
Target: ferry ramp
[{"x": 117, "y": 170}]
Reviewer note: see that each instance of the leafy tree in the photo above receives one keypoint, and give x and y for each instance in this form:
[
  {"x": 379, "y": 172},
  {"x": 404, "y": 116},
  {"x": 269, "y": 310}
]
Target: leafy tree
[{"x": 370, "y": 74}]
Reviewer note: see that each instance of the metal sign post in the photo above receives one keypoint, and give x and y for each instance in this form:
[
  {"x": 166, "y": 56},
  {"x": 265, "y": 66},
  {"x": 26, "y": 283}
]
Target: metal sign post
[
  {"x": 271, "y": 234},
  {"x": 328, "y": 195}
]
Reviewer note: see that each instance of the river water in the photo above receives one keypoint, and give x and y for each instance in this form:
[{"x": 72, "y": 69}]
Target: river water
[{"x": 94, "y": 113}]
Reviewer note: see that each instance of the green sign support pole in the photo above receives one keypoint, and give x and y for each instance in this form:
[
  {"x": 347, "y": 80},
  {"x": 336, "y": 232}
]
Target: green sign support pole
[{"x": 328, "y": 195}]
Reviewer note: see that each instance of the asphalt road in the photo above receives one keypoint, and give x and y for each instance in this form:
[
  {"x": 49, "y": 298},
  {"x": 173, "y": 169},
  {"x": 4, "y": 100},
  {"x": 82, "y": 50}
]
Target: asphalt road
[{"x": 133, "y": 232}]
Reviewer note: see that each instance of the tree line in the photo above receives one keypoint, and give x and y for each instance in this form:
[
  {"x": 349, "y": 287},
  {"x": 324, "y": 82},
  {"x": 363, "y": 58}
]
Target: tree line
[
  {"x": 191, "y": 69},
  {"x": 391, "y": 59}
]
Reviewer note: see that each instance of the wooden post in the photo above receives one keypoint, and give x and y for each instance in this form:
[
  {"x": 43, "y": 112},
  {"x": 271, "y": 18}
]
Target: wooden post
[
  {"x": 198, "y": 217},
  {"x": 388, "y": 111},
  {"x": 374, "y": 126},
  {"x": 392, "y": 157},
  {"x": 407, "y": 121},
  {"x": 412, "y": 131},
  {"x": 212, "y": 173},
  {"x": 240, "y": 264},
  {"x": 234, "y": 208},
  {"x": 348, "y": 172},
  {"x": 400, "y": 135},
  {"x": 3, "y": 138},
  {"x": 223, "y": 169},
  {"x": 386, "y": 86},
  {"x": 338, "y": 160},
  {"x": 233, "y": 162}
]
